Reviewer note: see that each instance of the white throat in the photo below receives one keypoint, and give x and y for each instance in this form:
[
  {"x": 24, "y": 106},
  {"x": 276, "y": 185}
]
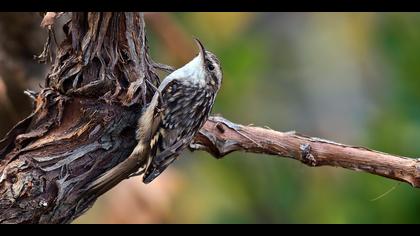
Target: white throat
[{"x": 192, "y": 72}]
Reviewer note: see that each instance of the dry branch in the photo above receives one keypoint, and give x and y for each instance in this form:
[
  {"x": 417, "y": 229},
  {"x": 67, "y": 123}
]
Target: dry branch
[
  {"x": 83, "y": 124},
  {"x": 221, "y": 137}
]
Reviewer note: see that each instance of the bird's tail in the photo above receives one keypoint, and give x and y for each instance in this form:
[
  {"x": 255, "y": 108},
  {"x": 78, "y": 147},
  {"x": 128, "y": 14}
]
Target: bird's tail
[{"x": 135, "y": 162}]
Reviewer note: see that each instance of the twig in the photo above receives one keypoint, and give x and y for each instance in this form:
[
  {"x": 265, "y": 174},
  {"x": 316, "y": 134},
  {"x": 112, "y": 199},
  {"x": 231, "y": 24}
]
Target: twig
[
  {"x": 309, "y": 150},
  {"x": 385, "y": 193}
]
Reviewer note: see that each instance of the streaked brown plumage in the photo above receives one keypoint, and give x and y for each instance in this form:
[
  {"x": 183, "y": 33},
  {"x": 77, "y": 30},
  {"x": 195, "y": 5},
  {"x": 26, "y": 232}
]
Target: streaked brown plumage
[
  {"x": 179, "y": 108},
  {"x": 172, "y": 120}
]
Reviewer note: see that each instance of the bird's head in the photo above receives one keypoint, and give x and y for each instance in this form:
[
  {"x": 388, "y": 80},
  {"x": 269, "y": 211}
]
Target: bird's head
[
  {"x": 210, "y": 64},
  {"x": 204, "y": 70}
]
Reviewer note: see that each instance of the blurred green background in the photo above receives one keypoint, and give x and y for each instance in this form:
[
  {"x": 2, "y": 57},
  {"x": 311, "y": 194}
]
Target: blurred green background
[{"x": 349, "y": 77}]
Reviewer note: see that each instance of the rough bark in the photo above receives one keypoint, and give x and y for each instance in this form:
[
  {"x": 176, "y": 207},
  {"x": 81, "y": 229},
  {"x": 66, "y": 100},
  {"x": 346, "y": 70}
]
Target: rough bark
[
  {"x": 221, "y": 137},
  {"x": 83, "y": 120},
  {"x": 83, "y": 124}
]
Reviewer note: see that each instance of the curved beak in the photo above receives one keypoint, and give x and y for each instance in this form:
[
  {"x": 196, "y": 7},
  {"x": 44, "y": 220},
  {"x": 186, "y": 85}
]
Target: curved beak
[{"x": 202, "y": 49}]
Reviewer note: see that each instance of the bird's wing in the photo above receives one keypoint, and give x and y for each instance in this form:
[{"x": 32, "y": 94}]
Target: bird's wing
[{"x": 184, "y": 112}]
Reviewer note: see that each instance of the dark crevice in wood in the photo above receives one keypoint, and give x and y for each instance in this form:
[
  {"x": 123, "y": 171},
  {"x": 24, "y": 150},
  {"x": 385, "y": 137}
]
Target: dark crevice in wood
[
  {"x": 83, "y": 121},
  {"x": 83, "y": 124}
]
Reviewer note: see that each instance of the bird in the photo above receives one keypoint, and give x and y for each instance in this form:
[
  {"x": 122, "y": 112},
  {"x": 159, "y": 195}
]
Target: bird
[{"x": 178, "y": 110}]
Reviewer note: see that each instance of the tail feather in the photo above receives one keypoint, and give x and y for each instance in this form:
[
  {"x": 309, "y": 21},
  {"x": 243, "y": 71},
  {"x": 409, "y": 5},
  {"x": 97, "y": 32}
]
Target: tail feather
[
  {"x": 155, "y": 170},
  {"x": 136, "y": 161}
]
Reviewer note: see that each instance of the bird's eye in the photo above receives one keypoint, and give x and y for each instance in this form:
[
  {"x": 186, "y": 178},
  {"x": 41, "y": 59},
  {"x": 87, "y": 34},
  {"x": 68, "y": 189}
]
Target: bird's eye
[{"x": 210, "y": 67}]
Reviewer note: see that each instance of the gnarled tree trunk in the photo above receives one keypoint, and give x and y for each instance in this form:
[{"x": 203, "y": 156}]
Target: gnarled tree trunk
[
  {"x": 83, "y": 121},
  {"x": 83, "y": 124}
]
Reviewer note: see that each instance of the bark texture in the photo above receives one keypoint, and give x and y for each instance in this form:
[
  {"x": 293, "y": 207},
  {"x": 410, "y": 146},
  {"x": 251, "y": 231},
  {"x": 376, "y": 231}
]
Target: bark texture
[
  {"x": 83, "y": 121},
  {"x": 221, "y": 137}
]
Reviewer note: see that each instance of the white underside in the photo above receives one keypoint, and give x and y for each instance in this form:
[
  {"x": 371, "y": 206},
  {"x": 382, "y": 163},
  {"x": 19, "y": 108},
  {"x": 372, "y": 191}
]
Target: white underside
[{"x": 191, "y": 72}]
